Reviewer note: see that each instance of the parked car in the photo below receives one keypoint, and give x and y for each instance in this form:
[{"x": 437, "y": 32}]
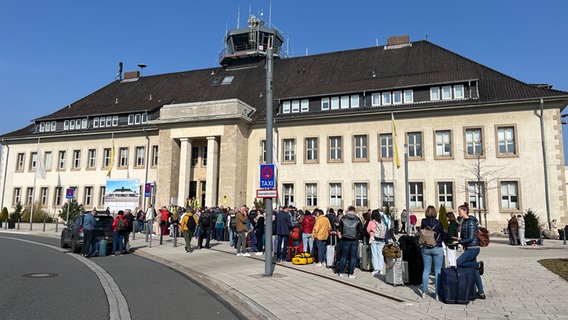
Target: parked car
[{"x": 72, "y": 234}]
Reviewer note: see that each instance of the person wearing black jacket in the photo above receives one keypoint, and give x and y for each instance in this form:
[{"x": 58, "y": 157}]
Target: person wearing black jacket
[
  {"x": 350, "y": 232},
  {"x": 432, "y": 253}
]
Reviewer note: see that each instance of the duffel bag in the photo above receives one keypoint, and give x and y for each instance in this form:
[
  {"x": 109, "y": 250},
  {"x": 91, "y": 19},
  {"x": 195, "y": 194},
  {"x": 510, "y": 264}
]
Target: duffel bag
[{"x": 303, "y": 258}]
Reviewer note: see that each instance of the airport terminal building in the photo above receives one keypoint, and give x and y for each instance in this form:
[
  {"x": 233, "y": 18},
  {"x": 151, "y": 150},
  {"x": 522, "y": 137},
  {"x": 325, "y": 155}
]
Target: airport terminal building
[{"x": 468, "y": 133}]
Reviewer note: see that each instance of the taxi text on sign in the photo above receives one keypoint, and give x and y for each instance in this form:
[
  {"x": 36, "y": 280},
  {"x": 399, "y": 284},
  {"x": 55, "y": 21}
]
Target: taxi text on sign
[{"x": 267, "y": 176}]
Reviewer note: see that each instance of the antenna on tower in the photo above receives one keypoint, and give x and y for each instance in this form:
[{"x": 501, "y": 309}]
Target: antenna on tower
[{"x": 238, "y": 16}]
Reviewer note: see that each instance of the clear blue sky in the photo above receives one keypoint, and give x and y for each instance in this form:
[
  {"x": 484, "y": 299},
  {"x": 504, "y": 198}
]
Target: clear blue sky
[{"x": 53, "y": 53}]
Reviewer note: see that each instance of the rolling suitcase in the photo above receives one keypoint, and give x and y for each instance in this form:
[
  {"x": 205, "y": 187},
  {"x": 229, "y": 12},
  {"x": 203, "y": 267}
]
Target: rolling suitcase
[
  {"x": 103, "y": 248},
  {"x": 411, "y": 253},
  {"x": 330, "y": 252},
  {"x": 457, "y": 285},
  {"x": 396, "y": 275},
  {"x": 366, "y": 264}
]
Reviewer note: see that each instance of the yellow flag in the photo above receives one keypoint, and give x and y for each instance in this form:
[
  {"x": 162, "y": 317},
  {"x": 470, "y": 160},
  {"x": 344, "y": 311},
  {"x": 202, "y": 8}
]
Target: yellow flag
[
  {"x": 396, "y": 159},
  {"x": 111, "y": 159}
]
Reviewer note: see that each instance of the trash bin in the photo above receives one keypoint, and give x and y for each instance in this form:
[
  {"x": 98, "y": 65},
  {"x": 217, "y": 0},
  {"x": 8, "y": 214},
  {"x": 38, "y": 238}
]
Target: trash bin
[{"x": 11, "y": 224}]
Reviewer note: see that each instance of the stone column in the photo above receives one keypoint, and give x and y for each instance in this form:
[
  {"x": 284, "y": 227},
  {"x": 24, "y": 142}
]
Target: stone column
[
  {"x": 184, "y": 171},
  {"x": 212, "y": 171}
]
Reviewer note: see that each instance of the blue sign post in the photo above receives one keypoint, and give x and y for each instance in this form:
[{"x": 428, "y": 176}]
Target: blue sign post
[
  {"x": 70, "y": 193},
  {"x": 147, "y": 190},
  {"x": 267, "y": 176}
]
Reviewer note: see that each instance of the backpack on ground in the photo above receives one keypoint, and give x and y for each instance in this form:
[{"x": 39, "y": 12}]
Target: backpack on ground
[
  {"x": 191, "y": 224},
  {"x": 121, "y": 225},
  {"x": 427, "y": 237},
  {"x": 483, "y": 236},
  {"x": 349, "y": 228}
]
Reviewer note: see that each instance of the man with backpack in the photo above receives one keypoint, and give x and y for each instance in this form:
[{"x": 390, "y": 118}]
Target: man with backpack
[
  {"x": 188, "y": 224},
  {"x": 206, "y": 224},
  {"x": 119, "y": 226},
  {"x": 350, "y": 231}
]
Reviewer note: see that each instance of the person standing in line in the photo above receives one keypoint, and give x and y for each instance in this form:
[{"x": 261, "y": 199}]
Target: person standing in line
[
  {"x": 468, "y": 239},
  {"x": 413, "y": 221},
  {"x": 129, "y": 217},
  {"x": 188, "y": 224},
  {"x": 449, "y": 239},
  {"x": 158, "y": 222},
  {"x": 149, "y": 219},
  {"x": 403, "y": 218},
  {"x": 320, "y": 233},
  {"x": 521, "y": 225},
  {"x": 140, "y": 218},
  {"x": 283, "y": 227},
  {"x": 88, "y": 229},
  {"x": 241, "y": 229},
  {"x": 259, "y": 232},
  {"x": 432, "y": 254},
  {"x": 307, "y": 226},
  {"x": 350, "y": 232},
  {"x": 377, "y": 231},
  {"x": 232, "y": 227}
]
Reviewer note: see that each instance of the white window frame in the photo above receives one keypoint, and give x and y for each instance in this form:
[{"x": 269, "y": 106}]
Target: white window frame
[
  {"x": 474, "y": 141},
  {"x": 108, "y": 121},
  {"x": 95, "y": 122},
  {"x": 72, "y": 124},
  {"x": 446, "y": 194},
  {"x": 47, "y": 157},
  {"x": 295, "y": 106},
  {"x": 84, "y": 123},
  {"x": 102, "y": 193},
  {"x": 76, "y": 159},
  {"x": 17, "y": 196},
  {"x": 33, "y": 161},
  {"x": 397, "y": 97},
  {"x": 286, "y": 107},
  {"x": 130, "y": 119},
  {"x": 408, "y": 96},
  {"x": 114, "y": 121},
  {"x": 57, "y": 196},
  {"x": 140, "y": 156},
  {"x": 446, "y": 92},
  {"x": 385, "y": 145},
  {"x": 204, "y": 156},
  {"x": 361, "y": 194},
  {"x": 387, "y": 194},
  {"x": 435, "y": 94},
  {"x": 289, "y": 153},
  {"x": 376, "y": 99},
  {"x": 414, "y": 143},
  {"x": 335, "y": 195},
  {"x": 155, "y": 154},
  {"x": 416, "y": 194},
  {"x": 459, "y": 92},
  {"x": 304, "y": 105},
  {"x": 354, "y": 101},
  {"x": 44, "y": 195},
  {"x": 325, "y": 103},
  {"x": 335, "y": 148},
  {"x": 506, "y": 144},
  {"x": 509, "y": 192},
  {"x": 61, "y": 159},
  {"x": 443, "y": 142},
  {"x": 360, "y": 147},
  {"x": 88, "y": 196},
  {"x": 386, "y": 98},
  {"x": 344, "y": 104},
  {"x": 92, "y": 162},
  {"x": 312, "y": 149},
  {"x": 42, "y": 127},
  {"x": 137, "y": 118},
  {"x": 311, "y": 194},
  {"x": 472, "y": 195},
  {"x": 123, "y": 157},
  {"x": 288, "y": 193},
  {"x": 334, "y": 103},
  {"x": 144, "y": 118}
]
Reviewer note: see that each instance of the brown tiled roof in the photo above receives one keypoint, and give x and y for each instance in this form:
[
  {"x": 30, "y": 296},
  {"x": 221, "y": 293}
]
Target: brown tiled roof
[{"x": 420, "y": 64}]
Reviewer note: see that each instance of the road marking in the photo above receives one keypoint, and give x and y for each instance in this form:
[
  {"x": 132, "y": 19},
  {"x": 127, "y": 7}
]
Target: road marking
[{"x": 118, "y": 306}]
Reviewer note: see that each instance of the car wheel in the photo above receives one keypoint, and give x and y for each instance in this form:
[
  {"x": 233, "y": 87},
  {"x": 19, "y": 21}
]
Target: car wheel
[
  {"x": 63, "y": 244},
  {"x": 75, "y": 247}
]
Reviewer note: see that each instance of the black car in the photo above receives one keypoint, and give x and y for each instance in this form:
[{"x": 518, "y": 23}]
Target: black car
[{"x": 72, "y": 234}]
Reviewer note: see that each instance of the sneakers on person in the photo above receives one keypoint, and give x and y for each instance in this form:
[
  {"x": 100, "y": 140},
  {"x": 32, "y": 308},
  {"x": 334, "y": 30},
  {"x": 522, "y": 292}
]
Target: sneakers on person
[
  {"x": 341, "y": 275},
  {"x": 424, "y": 294},
  {"x": 246, "y": 254},
  {"x": 480, "y": 296},
  {"x": 318, "y": 264},
  {"x": 481, "y": 268},
  {"x": 374, "y": 273},
  {"x": 258, "y": 253},
  {"x": 352, "y": 276},
  {"x": 239, "y": 254}
]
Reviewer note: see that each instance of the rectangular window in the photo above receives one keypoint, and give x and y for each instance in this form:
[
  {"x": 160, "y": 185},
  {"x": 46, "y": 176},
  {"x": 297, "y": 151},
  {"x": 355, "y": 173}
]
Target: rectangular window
[
  {"x": 446, "y": 194},
  {"x": 43, "y": 196},
  {"x": 137, "y": 118},
  {"x": 408, "y": 96},
  {"x": 376, "y": 99},
  {"x": 295, "y": 106},
  {"x": 102, "y": 196},
  {"x": 360, "y": 143},
  {"x": 414, "y": 144},
  {"x": 58, "y": 196},
  {"x": 397, "y": 97},
  {"x": 476, "y": 193},
  {"x": 106, "y": 157},
  {"x": 66, "y": 125},
  {"x": 92, "y": 162},
  {"x": 88, "y": 196},
  {"x": 506, "y": 140},
  {"x": 47, "y": 161},
  {"x": 446, "y": 92},
  {"x": 335, "y": 148},
  {"x": 20, "y": 162},
  {"x": 334, "y": 103},
  {"x": 102, "y": 122},
  {"x": 345, "y": 102},
  {"x": 289, "y": 150},
  {"x": 288, "y": 193},
  {"x": 386, "y": 98},
  {"x": 443, "y": 143},
  {"x": 385, "y": 145},
  {"x": 108, "y": 121},
  {"x": 509, "y": 195},
  {"x": 263, "y": 146},
  {"x": 416, "y": 195},
  {"x": 95, "y": 122},
  {"x": 204, "y": 156},
  {"x": 335, "y": 195},
  {"x": 130, "y": 119},
  {"x": 325, "y": 103},
  {"x": 17, "y": 196},
  {"x": 286, "y": 107},
  {"x": 311, "y": 194},
  {"x": 474, "y": 142},
  {"x": 305, "y": 105},
  {"x": 30, "y": 195},
  {"x": 123, "y": 157},
  {"x": 361, "y": 195},
  {"x": 311, "y": 149},
  {"x": 78, "y": 124},
  {"x": 155, "y": 157},
  {"x": 140, "y": 156},
  {"x": 194, "y": 156},
  {"x": 144, "y": 118},
  {"x": 115, "y": 121},
  {"x": 42, "y": 127},
  {"x": 434, "y": 93},
  {"x": 76, "y": 159},
  {"x": 458, "y": 91},
  {"x": 355, "y": 101},
  {"x": 72, "y": 125},
  {"x": 84, "y": 123},
  {"x": 33, "y": 161},
  {"x": 387, "y": 194},
  {"x": 61, "y": 159}
]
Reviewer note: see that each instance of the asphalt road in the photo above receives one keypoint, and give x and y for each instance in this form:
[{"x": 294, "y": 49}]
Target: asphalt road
[{"x": 39, "y": 280}]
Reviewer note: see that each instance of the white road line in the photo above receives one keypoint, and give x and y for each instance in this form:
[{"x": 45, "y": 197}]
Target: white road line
[{"x": 118, "y": 307}]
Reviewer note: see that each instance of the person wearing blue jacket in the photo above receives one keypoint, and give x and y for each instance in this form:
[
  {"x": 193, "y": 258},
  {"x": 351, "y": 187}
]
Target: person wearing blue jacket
[
  {"x": 468, "y": 239},
  {"x": 283, "y": 227}
]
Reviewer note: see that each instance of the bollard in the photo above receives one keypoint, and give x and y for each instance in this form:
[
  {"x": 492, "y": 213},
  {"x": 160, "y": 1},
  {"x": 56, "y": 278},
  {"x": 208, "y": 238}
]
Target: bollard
[
  {"x": 56, "y": 225},
  {"x": 43, "y": 224},
  {"x": 19, "y": 223},
  {"x": 565, "y": 231},
  {"x": 150, "y": 223}
]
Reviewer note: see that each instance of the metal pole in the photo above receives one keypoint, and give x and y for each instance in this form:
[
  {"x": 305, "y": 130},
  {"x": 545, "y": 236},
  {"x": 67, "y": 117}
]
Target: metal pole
[
  {"x": 541, "y": 117},
  {"x": 175, "y": 234},
  {"x": 68, "y": 205},
  {"x": 269, "y": 127},
  {"x": 407, "y": 189}
]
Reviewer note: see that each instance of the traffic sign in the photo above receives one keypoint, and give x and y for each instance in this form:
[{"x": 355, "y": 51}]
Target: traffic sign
[
  {"x": 267, "y": 193},
  {"x": 267, "y": 176},
  {"x": 147, "y": 190},
  {"x": 70, "y": 193}
]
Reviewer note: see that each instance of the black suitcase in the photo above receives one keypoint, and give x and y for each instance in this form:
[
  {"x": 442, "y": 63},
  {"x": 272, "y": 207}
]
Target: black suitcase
[
  {"x": 457, "y": 285},
  {"x": 412, "y": 254}
]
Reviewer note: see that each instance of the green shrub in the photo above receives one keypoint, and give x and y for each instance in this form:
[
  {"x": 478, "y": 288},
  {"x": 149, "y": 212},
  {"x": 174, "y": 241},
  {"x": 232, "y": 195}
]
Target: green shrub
[
  {"x": 4, "y": 214},
  {"x": 39, "y": 214},
  {"x": 533, "y": 227},
  {"x": 75, "y": 209},
  {"x": 17, "y": 214}
]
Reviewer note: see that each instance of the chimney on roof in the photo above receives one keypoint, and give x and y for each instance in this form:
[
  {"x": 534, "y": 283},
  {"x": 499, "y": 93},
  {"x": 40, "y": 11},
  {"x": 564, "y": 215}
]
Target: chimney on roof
[
  {"x": 131, "y": 75},
  {"x": 398, "y": 40}
]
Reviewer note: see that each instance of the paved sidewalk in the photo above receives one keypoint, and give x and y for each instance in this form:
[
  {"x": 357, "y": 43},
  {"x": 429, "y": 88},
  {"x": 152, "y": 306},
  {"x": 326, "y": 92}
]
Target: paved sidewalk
[{"x": 516, "y": 285}]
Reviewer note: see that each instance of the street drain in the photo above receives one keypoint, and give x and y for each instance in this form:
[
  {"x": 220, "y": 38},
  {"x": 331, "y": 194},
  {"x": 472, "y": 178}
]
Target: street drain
[{"x": 40, "y": 275}]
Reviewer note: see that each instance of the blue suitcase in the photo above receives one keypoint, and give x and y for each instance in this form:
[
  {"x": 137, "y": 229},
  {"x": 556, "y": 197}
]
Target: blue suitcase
[
  {"x": 103, "y": 248},
  {"x": 457, "y": 285}
]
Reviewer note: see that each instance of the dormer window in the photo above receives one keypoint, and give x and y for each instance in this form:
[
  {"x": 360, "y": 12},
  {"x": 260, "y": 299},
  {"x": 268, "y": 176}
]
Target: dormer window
[{"x": 227, "y": 80}]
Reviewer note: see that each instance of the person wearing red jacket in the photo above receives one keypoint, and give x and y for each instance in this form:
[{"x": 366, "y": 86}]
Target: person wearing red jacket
[
  {"x": 119, "y": 227},
  {"x": 307, "y": 229}
]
